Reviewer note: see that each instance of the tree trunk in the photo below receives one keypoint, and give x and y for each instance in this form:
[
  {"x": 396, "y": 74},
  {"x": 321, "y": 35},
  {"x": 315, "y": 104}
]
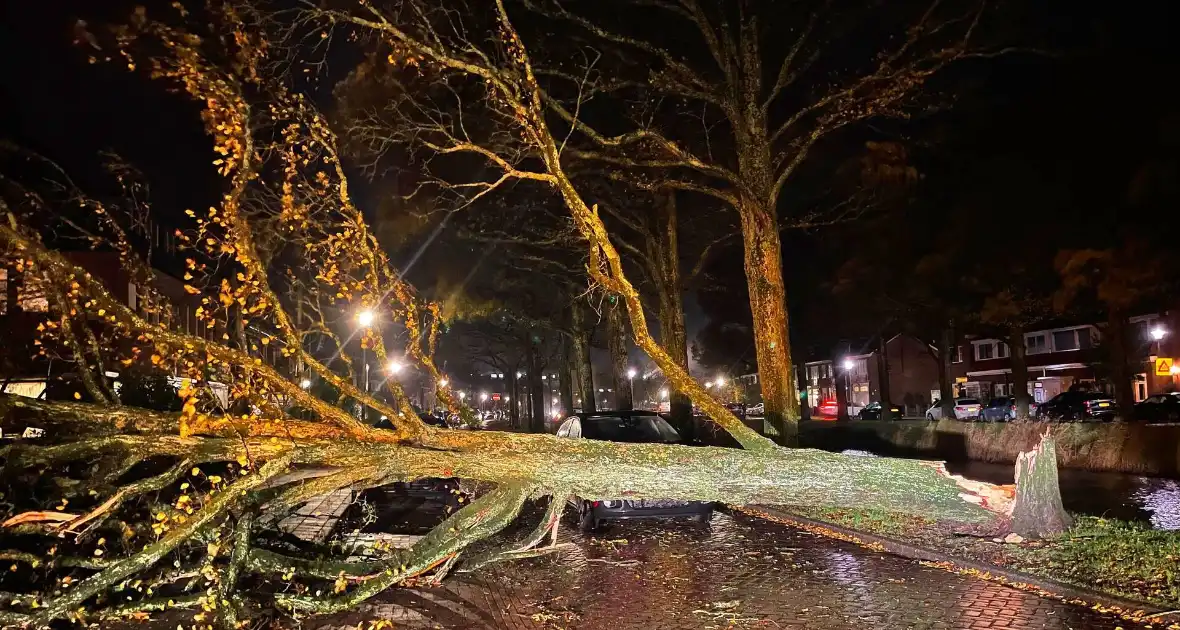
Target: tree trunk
[
  {"x": 1037, "y": 511},
  {"x": 883, "y": 379},
  {"x": 581, "y": 359},
  {"x": 664, "y": 253},
  {"x": 1017, "y": 351},
  {"x": 616, "y": 343},
  {"x": 1116, "y": 328},
  {"x": 536, "y": 392},
  {"x": 946, "y": 357},
  {"x": 513, "y": 399},
  {"x": 768, "y": 305},
  {"x": 565, "y": 375},
  {"x": 843, "y": 396}
]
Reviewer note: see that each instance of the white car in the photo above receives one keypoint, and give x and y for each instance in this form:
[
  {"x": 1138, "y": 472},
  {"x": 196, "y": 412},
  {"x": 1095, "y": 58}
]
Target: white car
[
  {"x": 965, "y": 409},
  {"x": 756, "y": 410}
]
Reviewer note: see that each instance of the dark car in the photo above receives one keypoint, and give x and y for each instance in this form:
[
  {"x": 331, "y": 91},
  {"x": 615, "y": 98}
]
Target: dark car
[
  {"x": 872, "y": 411},
  {"x": 1003, "y": 408},
  {"x": 1159, "y": 408},
  {"x": 633, "y": 427},
  {"x": 1078, "y": 406}
]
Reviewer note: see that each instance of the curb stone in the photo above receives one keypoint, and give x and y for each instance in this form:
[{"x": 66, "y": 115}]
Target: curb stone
[{"x": 1131, "y": 609}]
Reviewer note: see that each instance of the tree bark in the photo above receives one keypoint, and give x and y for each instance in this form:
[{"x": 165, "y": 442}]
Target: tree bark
[
  {"x": 664, "y": 254},
  {"x": 1120, "y": 373},
  {"x": 768, "y": 305},
  {"x": 581, "y": 360},
  {"x": 843, "y": 396},
  {"x": 536, "y": 392},
  {"x": 883, "y": 379},
  {"x": 616, "y": 342},
  {"x": 565, "y": 375},
  {"x": 947, "y": 341},
  {"x": 1037, "y": 511},
  {"x": 513, "y": 399},
  {"x": 1018, "y": 352}
]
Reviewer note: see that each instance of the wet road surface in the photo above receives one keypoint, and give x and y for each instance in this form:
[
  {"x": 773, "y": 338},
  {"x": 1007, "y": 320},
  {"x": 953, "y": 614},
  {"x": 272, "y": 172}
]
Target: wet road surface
[{"x": 741, "y": 572}]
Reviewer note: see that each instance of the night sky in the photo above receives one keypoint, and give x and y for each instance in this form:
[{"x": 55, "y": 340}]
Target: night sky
[{"x": 1078, "y": 122}]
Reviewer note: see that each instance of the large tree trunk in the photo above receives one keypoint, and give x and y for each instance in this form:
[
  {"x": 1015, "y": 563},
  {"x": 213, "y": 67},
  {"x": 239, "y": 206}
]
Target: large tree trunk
[
  {"x": 1037, "y": 511},
  {"x": 616, "y": 343},
  {"x": 565, "y": 375},
  {"x": 536, "y": 392},
  {"x": 513, "y": 399},
  {"x": 581, "y": 359},
  {"x": 883, "y": 379},
  {"x": 946, "y": 356},
  {"x": 1018, "y": 352},
  {"x": 1116, "y": 329},
  {"x": 664, "y": 253},
  {"x": 768, "y": 305}
]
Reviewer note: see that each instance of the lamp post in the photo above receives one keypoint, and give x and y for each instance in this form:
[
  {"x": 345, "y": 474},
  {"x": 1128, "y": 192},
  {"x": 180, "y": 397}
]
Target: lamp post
[{"x": 848, "y": 364}]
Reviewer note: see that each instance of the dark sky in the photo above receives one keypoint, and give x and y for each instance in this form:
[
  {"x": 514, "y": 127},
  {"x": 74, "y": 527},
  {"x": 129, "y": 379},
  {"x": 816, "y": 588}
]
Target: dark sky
[{"x": 1083, "y": 119}]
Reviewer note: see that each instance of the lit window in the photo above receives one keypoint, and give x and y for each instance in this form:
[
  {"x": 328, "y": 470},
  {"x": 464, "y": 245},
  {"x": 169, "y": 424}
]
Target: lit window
[
  {"x": 957, "y": 354},
  {"x": 30, "y": 295}
]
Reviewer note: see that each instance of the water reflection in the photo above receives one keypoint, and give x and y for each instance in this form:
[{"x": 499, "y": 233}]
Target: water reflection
[{"x": 1115, "y": 495}]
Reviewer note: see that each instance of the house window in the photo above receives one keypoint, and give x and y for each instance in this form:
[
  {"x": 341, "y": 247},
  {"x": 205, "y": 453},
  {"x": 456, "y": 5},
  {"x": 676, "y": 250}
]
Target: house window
[
  {"x": 957, "y": 354},
  {"x": 30, "y": 295},
  {"x": 985, "y": 351},
  {"x": 1002, "y": 350},
  {"x": 1035, "y": 343},
  {"x": 1065, "y": 340}
]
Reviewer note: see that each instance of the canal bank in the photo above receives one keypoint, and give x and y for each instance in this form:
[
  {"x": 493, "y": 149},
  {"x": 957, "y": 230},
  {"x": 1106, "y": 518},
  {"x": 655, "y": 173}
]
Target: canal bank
[{"x": 1140, "y": 449}]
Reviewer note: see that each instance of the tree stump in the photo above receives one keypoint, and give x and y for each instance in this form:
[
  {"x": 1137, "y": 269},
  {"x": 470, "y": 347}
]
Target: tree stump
[{"x": 1037, "y": 511}]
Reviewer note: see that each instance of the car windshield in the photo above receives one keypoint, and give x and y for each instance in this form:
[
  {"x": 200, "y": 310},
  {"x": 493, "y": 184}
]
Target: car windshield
[
  {"x": 629, "y": 429},
  {"x": 873, "y": 405}
]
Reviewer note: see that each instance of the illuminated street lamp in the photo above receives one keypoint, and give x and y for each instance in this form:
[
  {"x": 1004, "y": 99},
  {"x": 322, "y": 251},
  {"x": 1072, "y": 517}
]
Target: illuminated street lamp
[
  {"x": 444, "y": 383},
  {"x": 483, "y": 397},
  {"x": 664, "y": 394},
  {"x": 365, "y": 318},
  {"x": 305, "y": 383},
  {"x": 1158, "y": 333},
  {"x": 394, "y": 367},
  {"x": 631, "y": 379},
  {"x": 1174, "y": 370},
  {"x": 848, "y": 364},
  {"x": 462, "y": 395}
]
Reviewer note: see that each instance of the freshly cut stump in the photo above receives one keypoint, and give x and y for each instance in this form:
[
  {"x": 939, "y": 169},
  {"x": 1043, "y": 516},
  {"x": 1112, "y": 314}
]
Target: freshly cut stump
[{"x": 1037, "y": 511}]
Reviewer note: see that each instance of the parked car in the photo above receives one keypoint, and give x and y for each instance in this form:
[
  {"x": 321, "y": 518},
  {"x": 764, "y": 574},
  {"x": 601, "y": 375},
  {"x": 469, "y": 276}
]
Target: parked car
[
  {"x": 1003, "y": 408},
  {"x": 756, "y": 410},
  {"x": 1078, "y": 406},
  {"x": 828, "y": 408},
  {"x": 737, "y": 409},
  {"x": 1159, "y": 408},
  {"x": 872, "y": 411},
  {"x": 628, "y": 426},
  {"x": 965, "y": 409}
]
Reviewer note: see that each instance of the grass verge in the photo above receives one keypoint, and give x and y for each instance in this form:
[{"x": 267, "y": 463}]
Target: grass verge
[{"x": 1117, "y": 557}]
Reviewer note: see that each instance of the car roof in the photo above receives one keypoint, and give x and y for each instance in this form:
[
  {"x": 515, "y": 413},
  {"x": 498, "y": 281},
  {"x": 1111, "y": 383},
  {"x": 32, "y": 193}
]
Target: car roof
[{"x": 614, "y": 414}]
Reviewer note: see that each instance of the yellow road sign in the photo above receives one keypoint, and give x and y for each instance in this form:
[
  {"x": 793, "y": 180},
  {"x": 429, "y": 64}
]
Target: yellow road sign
[{"x": 1163, "y": 366}]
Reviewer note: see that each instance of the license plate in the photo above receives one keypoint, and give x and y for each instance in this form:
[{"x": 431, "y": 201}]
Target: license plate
[{"x": 1103, "y": 404}]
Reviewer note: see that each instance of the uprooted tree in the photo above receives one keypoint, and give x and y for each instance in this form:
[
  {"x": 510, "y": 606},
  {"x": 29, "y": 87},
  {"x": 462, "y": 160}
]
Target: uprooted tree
[{"x": 121, "y": 511}]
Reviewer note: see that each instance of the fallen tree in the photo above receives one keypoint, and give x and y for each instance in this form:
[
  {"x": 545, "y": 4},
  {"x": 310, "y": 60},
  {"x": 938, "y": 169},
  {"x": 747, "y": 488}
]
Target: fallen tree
[{"x": 121, "y": 512}]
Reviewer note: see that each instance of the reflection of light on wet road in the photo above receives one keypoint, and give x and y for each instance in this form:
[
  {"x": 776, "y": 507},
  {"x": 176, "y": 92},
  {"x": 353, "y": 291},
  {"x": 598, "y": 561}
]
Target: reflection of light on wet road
[{"x": 1161, "y": 499}]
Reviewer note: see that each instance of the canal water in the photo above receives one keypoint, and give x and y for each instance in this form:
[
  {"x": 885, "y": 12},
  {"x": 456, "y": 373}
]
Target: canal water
[{"x": 1155, "y": 500}]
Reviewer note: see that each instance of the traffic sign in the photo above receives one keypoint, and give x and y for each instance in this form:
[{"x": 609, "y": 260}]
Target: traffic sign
[
  {"x": 1163, "y": 366},
  {"x": 496, "y": 397}
]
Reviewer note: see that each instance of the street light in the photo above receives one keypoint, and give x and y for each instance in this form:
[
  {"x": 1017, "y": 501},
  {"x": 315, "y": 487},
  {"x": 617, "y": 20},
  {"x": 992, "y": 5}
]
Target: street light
[
  {"x": 394, "y": 367},
  {"x": 483, "y": 397},
  {"x": 848, "y": 364},
  {"x": 305, "y": 383},
  {"x": 365, "y": 318},
  {"x": 631, "y": 380},
  {"x": 1158, "y": 333},
  {"x": 444, "y": 383},
  {"x": 462, "y": 395},
  {"x": 664, "y": 393}
]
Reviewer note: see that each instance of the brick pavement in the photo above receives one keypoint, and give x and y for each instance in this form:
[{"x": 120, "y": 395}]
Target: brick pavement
[{"x": 742, "y": 572}]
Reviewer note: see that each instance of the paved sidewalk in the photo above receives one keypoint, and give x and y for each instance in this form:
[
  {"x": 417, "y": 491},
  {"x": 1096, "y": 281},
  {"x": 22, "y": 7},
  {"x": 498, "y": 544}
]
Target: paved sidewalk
[{"x": 742, "y": 572}]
